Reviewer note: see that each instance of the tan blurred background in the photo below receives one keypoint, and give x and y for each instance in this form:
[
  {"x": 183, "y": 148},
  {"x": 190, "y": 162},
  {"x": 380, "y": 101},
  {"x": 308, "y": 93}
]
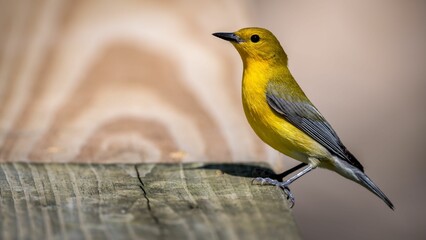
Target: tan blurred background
[{"x": 144, "y": 81}]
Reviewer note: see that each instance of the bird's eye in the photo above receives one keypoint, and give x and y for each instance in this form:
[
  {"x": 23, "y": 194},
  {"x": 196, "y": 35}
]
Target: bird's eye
[{"x": 255, "y": 38}]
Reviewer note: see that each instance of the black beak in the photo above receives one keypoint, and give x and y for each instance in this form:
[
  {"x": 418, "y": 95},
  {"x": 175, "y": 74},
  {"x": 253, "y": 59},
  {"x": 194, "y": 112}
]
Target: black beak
[{"x": 228, "y": 37}]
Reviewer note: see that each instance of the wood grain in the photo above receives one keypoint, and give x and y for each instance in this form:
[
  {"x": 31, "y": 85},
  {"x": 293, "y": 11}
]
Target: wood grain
[
  {"x": 86, "y": 83},
  {"x": 128, "y": 81},
  {"x": 145, "y": 201}
]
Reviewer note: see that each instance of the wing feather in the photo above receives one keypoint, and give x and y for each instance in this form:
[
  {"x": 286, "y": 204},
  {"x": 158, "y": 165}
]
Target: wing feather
[{"x": 308, "y": 119}]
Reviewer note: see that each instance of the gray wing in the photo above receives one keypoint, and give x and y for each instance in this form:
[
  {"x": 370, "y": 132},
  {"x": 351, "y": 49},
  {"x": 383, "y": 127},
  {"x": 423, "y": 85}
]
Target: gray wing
[{"x": 308, "y": 119}]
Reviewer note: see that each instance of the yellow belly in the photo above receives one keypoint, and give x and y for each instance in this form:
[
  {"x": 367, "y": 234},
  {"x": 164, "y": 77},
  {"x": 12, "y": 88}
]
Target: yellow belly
[{"x": 275, "y": 130}]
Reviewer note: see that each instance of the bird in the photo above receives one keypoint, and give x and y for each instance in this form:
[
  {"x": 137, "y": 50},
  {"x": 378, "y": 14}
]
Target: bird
[{"x": 282, "y": 116}]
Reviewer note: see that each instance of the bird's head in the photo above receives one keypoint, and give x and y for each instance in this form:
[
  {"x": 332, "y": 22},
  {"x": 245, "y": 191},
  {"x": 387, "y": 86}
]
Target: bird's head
[{"x": 256, "y": 44}]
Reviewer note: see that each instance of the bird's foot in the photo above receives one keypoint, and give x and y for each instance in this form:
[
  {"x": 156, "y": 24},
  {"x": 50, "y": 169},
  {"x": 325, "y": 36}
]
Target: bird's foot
[{"x": 282, "y": 185}]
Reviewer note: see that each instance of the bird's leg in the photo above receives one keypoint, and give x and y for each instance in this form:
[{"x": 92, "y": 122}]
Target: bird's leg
[
  {"x": 284, "y": 185},
  {"x": 291, "y": 170}
]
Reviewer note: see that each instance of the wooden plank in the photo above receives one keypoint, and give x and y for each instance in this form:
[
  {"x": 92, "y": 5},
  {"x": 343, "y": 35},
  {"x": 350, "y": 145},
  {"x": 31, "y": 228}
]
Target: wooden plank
[{"x": 145, "y": 201}]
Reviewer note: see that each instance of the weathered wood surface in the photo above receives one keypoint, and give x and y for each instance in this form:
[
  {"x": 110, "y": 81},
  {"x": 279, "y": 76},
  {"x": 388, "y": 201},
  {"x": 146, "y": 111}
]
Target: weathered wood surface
[
  {"x": 135, "y": 82},
  {"x": 146, "y": 201}
]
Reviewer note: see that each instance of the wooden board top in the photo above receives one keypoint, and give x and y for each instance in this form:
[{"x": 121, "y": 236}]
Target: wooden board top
[{"x": 145, "y": 201}]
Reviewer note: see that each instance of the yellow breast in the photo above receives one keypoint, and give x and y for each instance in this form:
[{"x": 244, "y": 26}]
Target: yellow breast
[{"x": 270, "y": 127}]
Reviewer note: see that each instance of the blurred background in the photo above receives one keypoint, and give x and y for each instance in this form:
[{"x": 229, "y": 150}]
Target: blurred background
[{"x": 144, "y": 81}]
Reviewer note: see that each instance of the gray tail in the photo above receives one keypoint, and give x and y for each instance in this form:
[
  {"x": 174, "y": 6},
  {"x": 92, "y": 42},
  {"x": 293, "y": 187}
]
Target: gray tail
[{"x": 366, "y": 182}]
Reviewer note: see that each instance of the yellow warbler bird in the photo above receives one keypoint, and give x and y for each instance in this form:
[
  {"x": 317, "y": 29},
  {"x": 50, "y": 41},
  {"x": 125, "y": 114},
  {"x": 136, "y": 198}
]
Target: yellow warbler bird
[{"x": 283, "y": 117}]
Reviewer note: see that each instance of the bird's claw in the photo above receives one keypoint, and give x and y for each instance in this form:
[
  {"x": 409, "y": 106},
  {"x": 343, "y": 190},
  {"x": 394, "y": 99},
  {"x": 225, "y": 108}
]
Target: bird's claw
[
  {"x": 282, "y": 185},
  {"x": 289, "y": 194},
  {"x": 264, "y": 181}
]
